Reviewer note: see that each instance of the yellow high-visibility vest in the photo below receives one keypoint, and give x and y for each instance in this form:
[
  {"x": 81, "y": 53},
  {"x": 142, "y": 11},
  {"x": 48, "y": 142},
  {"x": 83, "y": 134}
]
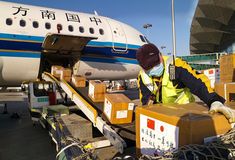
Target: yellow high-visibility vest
[{"x": 170, "y": 94}]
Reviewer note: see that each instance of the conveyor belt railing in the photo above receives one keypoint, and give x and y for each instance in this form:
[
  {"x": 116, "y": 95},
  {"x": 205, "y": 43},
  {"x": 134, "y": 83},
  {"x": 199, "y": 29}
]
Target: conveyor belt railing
[{"x": 90, "y": 112}]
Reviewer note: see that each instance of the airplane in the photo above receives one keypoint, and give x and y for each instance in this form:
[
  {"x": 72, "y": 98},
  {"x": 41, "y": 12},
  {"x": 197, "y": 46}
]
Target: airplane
[{"x": 33, "y": 38}]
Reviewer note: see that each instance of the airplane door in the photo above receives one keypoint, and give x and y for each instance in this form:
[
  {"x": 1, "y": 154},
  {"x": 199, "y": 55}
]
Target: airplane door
[
  {"x": 64, "y": 44},
  {"x": 119, "y": 40}
]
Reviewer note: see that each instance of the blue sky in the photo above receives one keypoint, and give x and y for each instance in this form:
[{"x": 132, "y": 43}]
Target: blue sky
[{"x": 137, "y": 13}]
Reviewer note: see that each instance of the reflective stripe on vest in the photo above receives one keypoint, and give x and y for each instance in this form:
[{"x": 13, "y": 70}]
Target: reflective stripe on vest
[
  {"x": 148, "y": 82},
  {"x": 170, "y": 94}
]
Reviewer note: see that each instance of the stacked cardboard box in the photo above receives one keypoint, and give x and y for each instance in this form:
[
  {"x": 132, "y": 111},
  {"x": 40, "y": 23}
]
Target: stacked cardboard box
[
  {"x": 118, "y": 108},
  {"x": 79, "y": 81},
  {"x": 56, "y": 70},
  {"x": 226, "y": 90},
  {"x": 227, "y": 68},
  {"x": 66, "y": 74},
  {"x": 96, "y": 90},
  {"x": 165, "y": 127}
]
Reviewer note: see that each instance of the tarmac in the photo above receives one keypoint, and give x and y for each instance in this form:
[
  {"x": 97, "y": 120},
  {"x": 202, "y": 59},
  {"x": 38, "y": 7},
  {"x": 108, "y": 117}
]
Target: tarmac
[{"x": 19, "y": 138}]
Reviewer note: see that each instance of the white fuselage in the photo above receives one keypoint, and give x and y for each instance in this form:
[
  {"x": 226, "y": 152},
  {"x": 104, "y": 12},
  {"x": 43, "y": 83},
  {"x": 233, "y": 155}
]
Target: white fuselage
[{"x": 24, "y": 27}]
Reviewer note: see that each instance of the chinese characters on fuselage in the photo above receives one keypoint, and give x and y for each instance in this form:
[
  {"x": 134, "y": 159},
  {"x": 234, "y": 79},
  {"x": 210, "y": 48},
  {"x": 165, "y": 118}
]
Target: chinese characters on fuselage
[{"x": 51, "y": 15}]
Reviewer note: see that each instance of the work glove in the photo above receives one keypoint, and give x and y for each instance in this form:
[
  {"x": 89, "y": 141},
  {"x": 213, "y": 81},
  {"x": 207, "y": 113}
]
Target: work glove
[{"x": 218, "y": 107}]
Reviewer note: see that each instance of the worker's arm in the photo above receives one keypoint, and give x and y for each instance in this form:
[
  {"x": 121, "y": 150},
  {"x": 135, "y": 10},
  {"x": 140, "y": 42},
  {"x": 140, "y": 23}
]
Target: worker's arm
[
  {"x": 144, "y": 92},
  {"x": 198, "y": 84}
]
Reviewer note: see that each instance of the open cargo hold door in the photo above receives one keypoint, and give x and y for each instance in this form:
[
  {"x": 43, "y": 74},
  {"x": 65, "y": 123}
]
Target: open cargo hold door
[
  {"x": 65, "y": 44},
  {"x": 64, "y": 50}
]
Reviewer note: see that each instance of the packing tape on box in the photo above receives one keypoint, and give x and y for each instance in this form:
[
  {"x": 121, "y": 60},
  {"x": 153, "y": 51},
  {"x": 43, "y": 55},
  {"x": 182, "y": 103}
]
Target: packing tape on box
[{"x": 225, "y": 89}]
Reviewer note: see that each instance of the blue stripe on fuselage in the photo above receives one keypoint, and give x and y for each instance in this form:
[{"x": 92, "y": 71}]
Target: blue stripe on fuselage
[
  {"x": 109, "y": 52},
  {"x": 88, "y": 59},
  {"x": 21, "y": 37},
  {"x": 110, "y": 60},
  {"x": 34, "y": 43},
  {"x": 20, "y": 54},
  {"x": 109, "y": 44},
  {"x": 16, "y": 45}
]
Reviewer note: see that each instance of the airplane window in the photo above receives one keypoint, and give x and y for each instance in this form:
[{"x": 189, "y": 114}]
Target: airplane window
[
  {"x": 22, "y": 23},
  {"x": 91, "y": 30},
  {"x": 47, "y": 25},
  {"x": 101, "y": 31},
  {"x": 59, "y": 27},
  {"x": 9, "y": 21},
  {"x": 70, "y": 27},
  {"x": 81, "y": 29},
  {"x": 35, "y": 24},
  {"x": 142, "y": 38}
]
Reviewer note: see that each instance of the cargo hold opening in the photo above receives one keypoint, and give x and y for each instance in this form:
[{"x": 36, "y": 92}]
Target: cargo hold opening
[{"x": 63, "y": 50}]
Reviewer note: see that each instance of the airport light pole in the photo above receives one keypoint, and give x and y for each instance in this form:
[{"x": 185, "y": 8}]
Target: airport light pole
[
  {"x": 146, "y": 26},
  {"x": 173, "y": 28},
  {"x": 172, "y": 66}
]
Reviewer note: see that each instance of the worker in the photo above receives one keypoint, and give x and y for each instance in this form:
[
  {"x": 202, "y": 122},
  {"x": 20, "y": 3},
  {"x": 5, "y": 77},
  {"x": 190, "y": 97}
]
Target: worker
[{"x": 155, "y": 85}]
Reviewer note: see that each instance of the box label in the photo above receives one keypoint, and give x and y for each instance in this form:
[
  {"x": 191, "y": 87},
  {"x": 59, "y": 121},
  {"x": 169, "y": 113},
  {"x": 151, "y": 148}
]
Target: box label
[
  {"x": 57, "y": 71},
  {"x": 232, "y": 125},
  {"x": 131, "y": 106},
  {"x": 157, "y": 137},
  {"x": 91, "y": 90},
  {"x": 107, "y": 108},
  {"x": 121, "y": 114}
]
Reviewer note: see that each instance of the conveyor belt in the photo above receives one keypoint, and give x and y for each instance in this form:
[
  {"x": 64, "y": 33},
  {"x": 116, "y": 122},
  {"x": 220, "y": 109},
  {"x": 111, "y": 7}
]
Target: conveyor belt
[
  {"x": 83, "y": 92},
  {"x": 93, "y": 111},
  {"x": 126, "y": 131}
]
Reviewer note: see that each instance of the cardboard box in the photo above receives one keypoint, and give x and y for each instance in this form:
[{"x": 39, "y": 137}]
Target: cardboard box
[
  {"x": 96, "y": 90},
  {"x": 56, "y": 70},
  {"x": 163, "y": 127},
  {"x": 66, "y": 74},
  {"x": 227, "y": 78},
  {"x": 227, "y": 68},
  {"x": 79, "y": 81},
  {"x": 226, "y": 90},
  {"x": 118, "y": 108}
]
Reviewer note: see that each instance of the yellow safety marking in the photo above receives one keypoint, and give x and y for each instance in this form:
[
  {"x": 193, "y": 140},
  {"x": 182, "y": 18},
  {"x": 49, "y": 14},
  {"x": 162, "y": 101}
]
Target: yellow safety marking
[
  {"x": 138, "y": 83},
  {"x": 60, "y": 126},
  {"x": 35, "y": 110},
  {"x": 52, "y": 124},
  {"x": 88, "y": 146},
  {"x": 85, "y": 102},
  {"x": 95, "y": 113},
  {"x": 52, "y": 77}
]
